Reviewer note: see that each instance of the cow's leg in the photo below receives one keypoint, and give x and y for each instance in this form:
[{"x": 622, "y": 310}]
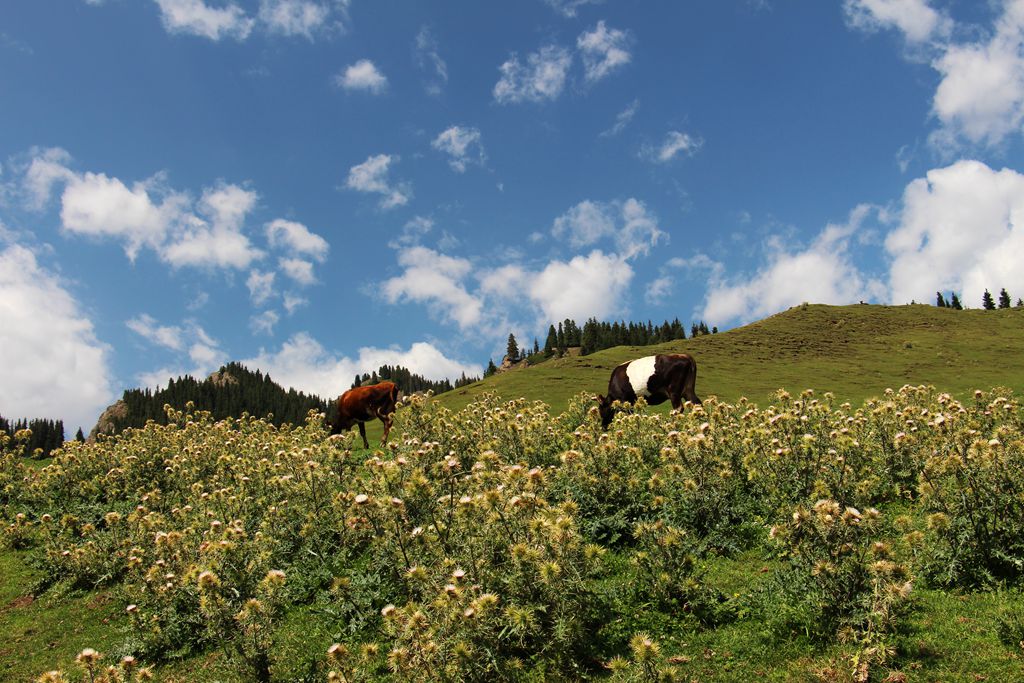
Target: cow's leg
[
  {"x": 387, "y": 419},
  {"x": 362, "y": 433}
]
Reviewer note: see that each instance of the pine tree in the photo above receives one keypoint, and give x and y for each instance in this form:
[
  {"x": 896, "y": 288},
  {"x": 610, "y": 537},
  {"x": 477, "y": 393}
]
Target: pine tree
[
  {"x": 536, "y": 346},
  {"x": 1020, "y": 303},
  {"x": 491, "y": 368},
  {"x": 1004, "y": 298},
  {"x": 987, "y": 302},
  {"x": 552, "y": 341},
  {"x": 940, "y": 301},
  {"x": 512, "y": 350},
  {"x": 954, "y": 302}
]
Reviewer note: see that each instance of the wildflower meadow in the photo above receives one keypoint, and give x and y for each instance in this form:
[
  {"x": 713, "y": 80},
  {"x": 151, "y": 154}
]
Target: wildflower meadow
[{"x": 502, "y": 542}]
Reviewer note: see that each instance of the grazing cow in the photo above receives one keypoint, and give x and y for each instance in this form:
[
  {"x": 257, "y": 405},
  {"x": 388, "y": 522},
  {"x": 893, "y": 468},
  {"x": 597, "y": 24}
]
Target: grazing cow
[
  {"x": 363, "y": 404},
  {"x": 656, "y": 378}
]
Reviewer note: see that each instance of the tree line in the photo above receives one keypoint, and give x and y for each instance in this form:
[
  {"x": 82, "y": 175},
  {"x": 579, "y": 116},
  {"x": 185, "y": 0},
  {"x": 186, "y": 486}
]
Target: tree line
[
  {"x": 231, "y": 391},
  {"x": 596, "y": 336},
  {"x": 46, "y": 434},
  {"x": 988, "y": 302},
  {"x": 409, "y": 382}
]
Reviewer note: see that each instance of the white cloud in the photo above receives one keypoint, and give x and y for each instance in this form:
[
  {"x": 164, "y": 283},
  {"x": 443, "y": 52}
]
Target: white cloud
[
  {"x": 603, "y": 50},
  {"x": 628, "y": 224},
  {"x": 294, "y": 17},
  {"x": 54, "y": 366},
  {"x": 961, "y": 229},
  {"x": 622, "y": 119},
  {"x": 916, "y": 19},
  {"x": 292, "y": 302},
  {"x": 436, "y": 280},
  {"x": 304, "y": 364},
  {"x": 47, "y": 168},
  {"x": 297, "y": 239},
  {"x": 263, "y": 323},
  {"x": 543, "y": 77},
  {"x": 261, "y": 286},
  {"x": 93, "y": 204},
  {"x": 823, "y": 272},
  {"x": 299, "y": 270},
  {"x": 168, "y": 336},
  {"x": 567, "y": 8},
  {"x": 459, "y": 142},
  {"x": 981, "y": 95},
  {"x": 204, "y": 356},
  {"x": 148, "y": 214},
  {"x": 585, "y": 286},
  {"x": 363, "y": 75},
  {"x": 428, "y": 59},
  {"x": 195, "y": 17},
  {"x": 372, "y": 176},
  {"x": 675, "y": 143},
  {"x": 659, "y": 289},
  {"x": 218, "y": 242},
  {"x": 413, "y": 230}
]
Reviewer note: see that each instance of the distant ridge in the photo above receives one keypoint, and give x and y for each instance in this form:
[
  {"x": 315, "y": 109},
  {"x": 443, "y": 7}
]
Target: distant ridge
[{"x": 230, "y": 391}]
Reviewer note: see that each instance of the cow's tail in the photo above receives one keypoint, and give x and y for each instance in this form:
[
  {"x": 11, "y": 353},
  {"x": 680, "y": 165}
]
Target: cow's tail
[{"x": 690, "y": 384}]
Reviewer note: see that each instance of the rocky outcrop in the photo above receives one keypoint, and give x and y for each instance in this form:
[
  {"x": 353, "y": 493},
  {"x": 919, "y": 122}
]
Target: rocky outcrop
[
  {"x": 106, "y": 424},
  {"x": 222, "y": 378}
]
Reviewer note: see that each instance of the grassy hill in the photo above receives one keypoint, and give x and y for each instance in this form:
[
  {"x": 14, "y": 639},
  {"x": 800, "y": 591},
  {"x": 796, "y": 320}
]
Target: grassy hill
[{"x": 853, "y": 351}]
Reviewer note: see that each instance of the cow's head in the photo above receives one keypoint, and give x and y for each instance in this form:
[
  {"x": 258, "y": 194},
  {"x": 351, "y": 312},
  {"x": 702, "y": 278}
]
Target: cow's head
[
  {"x": 334, "y": 422},
  {"x": 604, "y": 407}
]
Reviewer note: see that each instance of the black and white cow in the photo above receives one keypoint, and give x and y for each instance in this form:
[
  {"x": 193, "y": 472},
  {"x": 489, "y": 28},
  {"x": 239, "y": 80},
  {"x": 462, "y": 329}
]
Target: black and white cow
[{"x": 665, "y": 377}]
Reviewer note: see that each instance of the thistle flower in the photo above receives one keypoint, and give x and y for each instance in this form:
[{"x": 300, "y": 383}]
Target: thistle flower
[
  {"x": 645, "y": 649},
  {"x": 208, "y": 580},
  {"x": 337, "y": 653}
]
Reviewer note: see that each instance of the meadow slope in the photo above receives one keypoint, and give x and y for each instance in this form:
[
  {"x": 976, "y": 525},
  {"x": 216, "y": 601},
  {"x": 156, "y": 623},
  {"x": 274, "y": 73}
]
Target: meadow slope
[{"x": 855, "y": 352}]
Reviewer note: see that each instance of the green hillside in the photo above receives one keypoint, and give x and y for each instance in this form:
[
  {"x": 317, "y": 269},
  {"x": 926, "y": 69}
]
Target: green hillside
[{"x": 855, "y": 352}]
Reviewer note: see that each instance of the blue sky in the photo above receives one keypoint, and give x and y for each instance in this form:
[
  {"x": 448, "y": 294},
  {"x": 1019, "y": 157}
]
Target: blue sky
[{"x": 318, "y": 187}]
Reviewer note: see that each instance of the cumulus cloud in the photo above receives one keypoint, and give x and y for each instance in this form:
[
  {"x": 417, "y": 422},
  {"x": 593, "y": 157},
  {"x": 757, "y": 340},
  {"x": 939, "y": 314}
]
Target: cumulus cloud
[
  {"x": 603, "y": 50},
  {"x": 592, "y": 285},
  {"x": 264, "y": 323},
  {"x": 302, "y": 363},
  {"x": 413, "y": 230},
  {"x": 296, "y": 238},
  {"x": 823, "y": 272},
  {"x": 217, "y": 242},
  {"x": 195, "y": 17},
  {"x": 200, "y": 355},
  {"x": 54, "y": 366},
  {"x": 541, "y": 78},
  {"x": 168, "y": 336},
  {"x": 147, "y": 214},
  {"x": 372, "y": 176},
  {"x": 462, "y": 145},
  {"x": 674, "y": 144},
  {"x": 630, "y": 225},
  {"x": 363, "y": 75},
  {"x": 436, "y": 280},
  {"x": 294, "y": 17},
  {"x": 299, "y": 270},
  {"x": 962, "y": 229},
  {"x": 428, "y": 60},
  {"x": 981, "y": 95},
  {"x": 261, "y": 286},
  {"x": 915, "y": 19}
]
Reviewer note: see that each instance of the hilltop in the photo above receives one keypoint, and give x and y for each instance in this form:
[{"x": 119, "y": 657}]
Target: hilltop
[{"x": 854, "y": 351}]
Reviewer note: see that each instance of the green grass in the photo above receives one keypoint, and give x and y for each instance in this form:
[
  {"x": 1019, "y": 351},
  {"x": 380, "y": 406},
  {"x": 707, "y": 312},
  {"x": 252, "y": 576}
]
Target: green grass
[{"x": 38, "y": 634}]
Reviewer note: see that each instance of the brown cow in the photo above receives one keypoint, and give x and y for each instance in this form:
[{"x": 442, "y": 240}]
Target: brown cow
[
  {"x": 656, "y": 378},
  {"x": 362, "y": 404}
]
